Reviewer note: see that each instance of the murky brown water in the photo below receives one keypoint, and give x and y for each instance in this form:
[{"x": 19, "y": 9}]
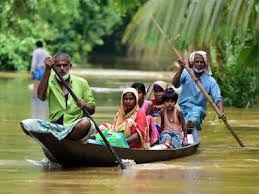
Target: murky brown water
[{"x": 219, "y": 166}]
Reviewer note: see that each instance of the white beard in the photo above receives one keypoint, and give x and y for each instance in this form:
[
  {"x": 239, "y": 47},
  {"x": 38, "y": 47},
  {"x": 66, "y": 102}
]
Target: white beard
[
  {"x": 65, "y": 77},
  {"x": 198, "y": 71}
]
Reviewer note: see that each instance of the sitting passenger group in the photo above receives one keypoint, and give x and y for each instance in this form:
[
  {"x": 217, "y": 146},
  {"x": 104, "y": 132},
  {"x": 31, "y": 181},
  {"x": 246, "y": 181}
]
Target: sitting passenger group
[
  {"x": 135, "y": 118},
  {"x": 170, "y": 127}
]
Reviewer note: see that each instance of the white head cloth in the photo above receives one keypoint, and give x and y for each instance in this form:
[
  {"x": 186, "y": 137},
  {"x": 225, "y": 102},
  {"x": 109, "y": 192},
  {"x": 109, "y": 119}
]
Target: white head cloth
[{"x": 206, "y": 60}]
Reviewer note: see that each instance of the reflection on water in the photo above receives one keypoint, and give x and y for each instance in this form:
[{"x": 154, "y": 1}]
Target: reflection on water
[
  {"x": 219, "y": 166},
  {"x": 39, "y": 109},
  {"x": 162, "y": 166}
]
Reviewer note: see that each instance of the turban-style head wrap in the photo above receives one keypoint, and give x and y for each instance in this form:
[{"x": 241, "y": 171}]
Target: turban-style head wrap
[{"x": 205, "y": 57}]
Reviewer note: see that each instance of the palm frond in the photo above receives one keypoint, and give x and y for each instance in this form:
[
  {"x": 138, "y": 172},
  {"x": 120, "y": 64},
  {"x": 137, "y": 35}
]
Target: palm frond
[{"x": 188, "y": 22}]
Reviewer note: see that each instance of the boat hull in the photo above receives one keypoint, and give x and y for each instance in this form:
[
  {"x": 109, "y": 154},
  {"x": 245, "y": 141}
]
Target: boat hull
[{"x": 70, "y": 153}]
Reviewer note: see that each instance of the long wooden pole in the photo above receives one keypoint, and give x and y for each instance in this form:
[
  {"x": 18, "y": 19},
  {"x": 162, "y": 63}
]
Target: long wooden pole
[
  {"x": 197, "y": 82},
  {"x": 115, "y": 155}
]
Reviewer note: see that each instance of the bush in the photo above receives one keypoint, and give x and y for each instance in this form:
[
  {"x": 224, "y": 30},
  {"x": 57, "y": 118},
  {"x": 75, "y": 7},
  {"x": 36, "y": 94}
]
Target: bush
[{"x": 238, "y": 73}]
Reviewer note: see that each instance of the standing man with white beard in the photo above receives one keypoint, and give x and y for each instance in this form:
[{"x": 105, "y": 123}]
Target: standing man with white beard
[
  {"x": 191, "y": 100},
  {"x": 65, "y": 115}
]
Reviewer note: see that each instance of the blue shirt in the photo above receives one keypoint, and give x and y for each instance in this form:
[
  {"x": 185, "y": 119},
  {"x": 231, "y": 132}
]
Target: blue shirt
[{"x": 191, "y": 95}]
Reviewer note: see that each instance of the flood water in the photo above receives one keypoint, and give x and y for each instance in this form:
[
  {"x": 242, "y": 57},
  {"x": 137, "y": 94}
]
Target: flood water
[{"x": 220, "y": 166}]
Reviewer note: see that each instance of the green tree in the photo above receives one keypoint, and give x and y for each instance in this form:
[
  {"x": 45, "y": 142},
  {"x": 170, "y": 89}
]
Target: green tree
[{"x": 69, "y": 26}]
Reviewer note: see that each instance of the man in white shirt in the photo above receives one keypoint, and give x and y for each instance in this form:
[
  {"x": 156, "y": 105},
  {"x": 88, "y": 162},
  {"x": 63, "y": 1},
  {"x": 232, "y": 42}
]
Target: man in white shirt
[{"x": 37, "y": 65}]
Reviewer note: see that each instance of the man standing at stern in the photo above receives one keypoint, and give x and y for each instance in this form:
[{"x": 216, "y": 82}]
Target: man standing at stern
[{"x": 191, "y": 100}]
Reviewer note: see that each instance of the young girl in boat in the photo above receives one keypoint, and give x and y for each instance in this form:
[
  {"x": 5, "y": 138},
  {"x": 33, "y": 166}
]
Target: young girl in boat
[
  {"x": 146, "y": 107},
  {"x": 130, "y": 120},
  {"x": 154, "y": 94},
  {"x": 174, "y": 132}
]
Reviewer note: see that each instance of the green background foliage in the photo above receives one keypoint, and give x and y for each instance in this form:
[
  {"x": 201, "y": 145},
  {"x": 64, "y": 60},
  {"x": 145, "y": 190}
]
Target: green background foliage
[{"x": 69, "y": 26}]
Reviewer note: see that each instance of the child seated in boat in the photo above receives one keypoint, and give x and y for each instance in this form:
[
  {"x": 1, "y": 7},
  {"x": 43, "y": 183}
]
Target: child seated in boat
[
  {"x": 174, "y": 132},
  {"x": 154, "y": 94},
  {"x": 146, "y": 107},
  {"x": 130, "y": 120}
]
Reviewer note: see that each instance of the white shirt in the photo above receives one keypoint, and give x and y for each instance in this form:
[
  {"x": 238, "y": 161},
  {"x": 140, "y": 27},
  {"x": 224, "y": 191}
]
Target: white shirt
[{"x": 38, "y": 57}]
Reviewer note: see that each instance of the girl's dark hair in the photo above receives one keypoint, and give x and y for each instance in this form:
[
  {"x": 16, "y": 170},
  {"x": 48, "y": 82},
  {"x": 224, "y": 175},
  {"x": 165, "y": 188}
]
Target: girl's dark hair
[
  {"x": 169, "y": 95},
  {"x": 140, "y": 87}
]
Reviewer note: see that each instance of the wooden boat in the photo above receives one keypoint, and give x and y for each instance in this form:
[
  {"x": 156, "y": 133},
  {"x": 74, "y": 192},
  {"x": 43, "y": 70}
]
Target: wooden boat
[{"x": 70, "y": 153}]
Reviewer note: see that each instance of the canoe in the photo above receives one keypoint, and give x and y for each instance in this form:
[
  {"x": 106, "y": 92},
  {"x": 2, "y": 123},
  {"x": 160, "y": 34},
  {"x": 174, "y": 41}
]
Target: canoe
[{"x": 72, "y": 154}]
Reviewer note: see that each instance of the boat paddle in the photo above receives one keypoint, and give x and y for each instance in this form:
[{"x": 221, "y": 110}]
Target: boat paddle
[
  {"x": 197, "y": 82},
  {"x": 114, "y": 154}
]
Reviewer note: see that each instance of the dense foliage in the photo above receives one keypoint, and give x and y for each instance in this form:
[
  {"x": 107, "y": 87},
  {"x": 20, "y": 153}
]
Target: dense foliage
[
  {"x": 71, "y": 26},
  {"x": 237, "y": 72}
]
